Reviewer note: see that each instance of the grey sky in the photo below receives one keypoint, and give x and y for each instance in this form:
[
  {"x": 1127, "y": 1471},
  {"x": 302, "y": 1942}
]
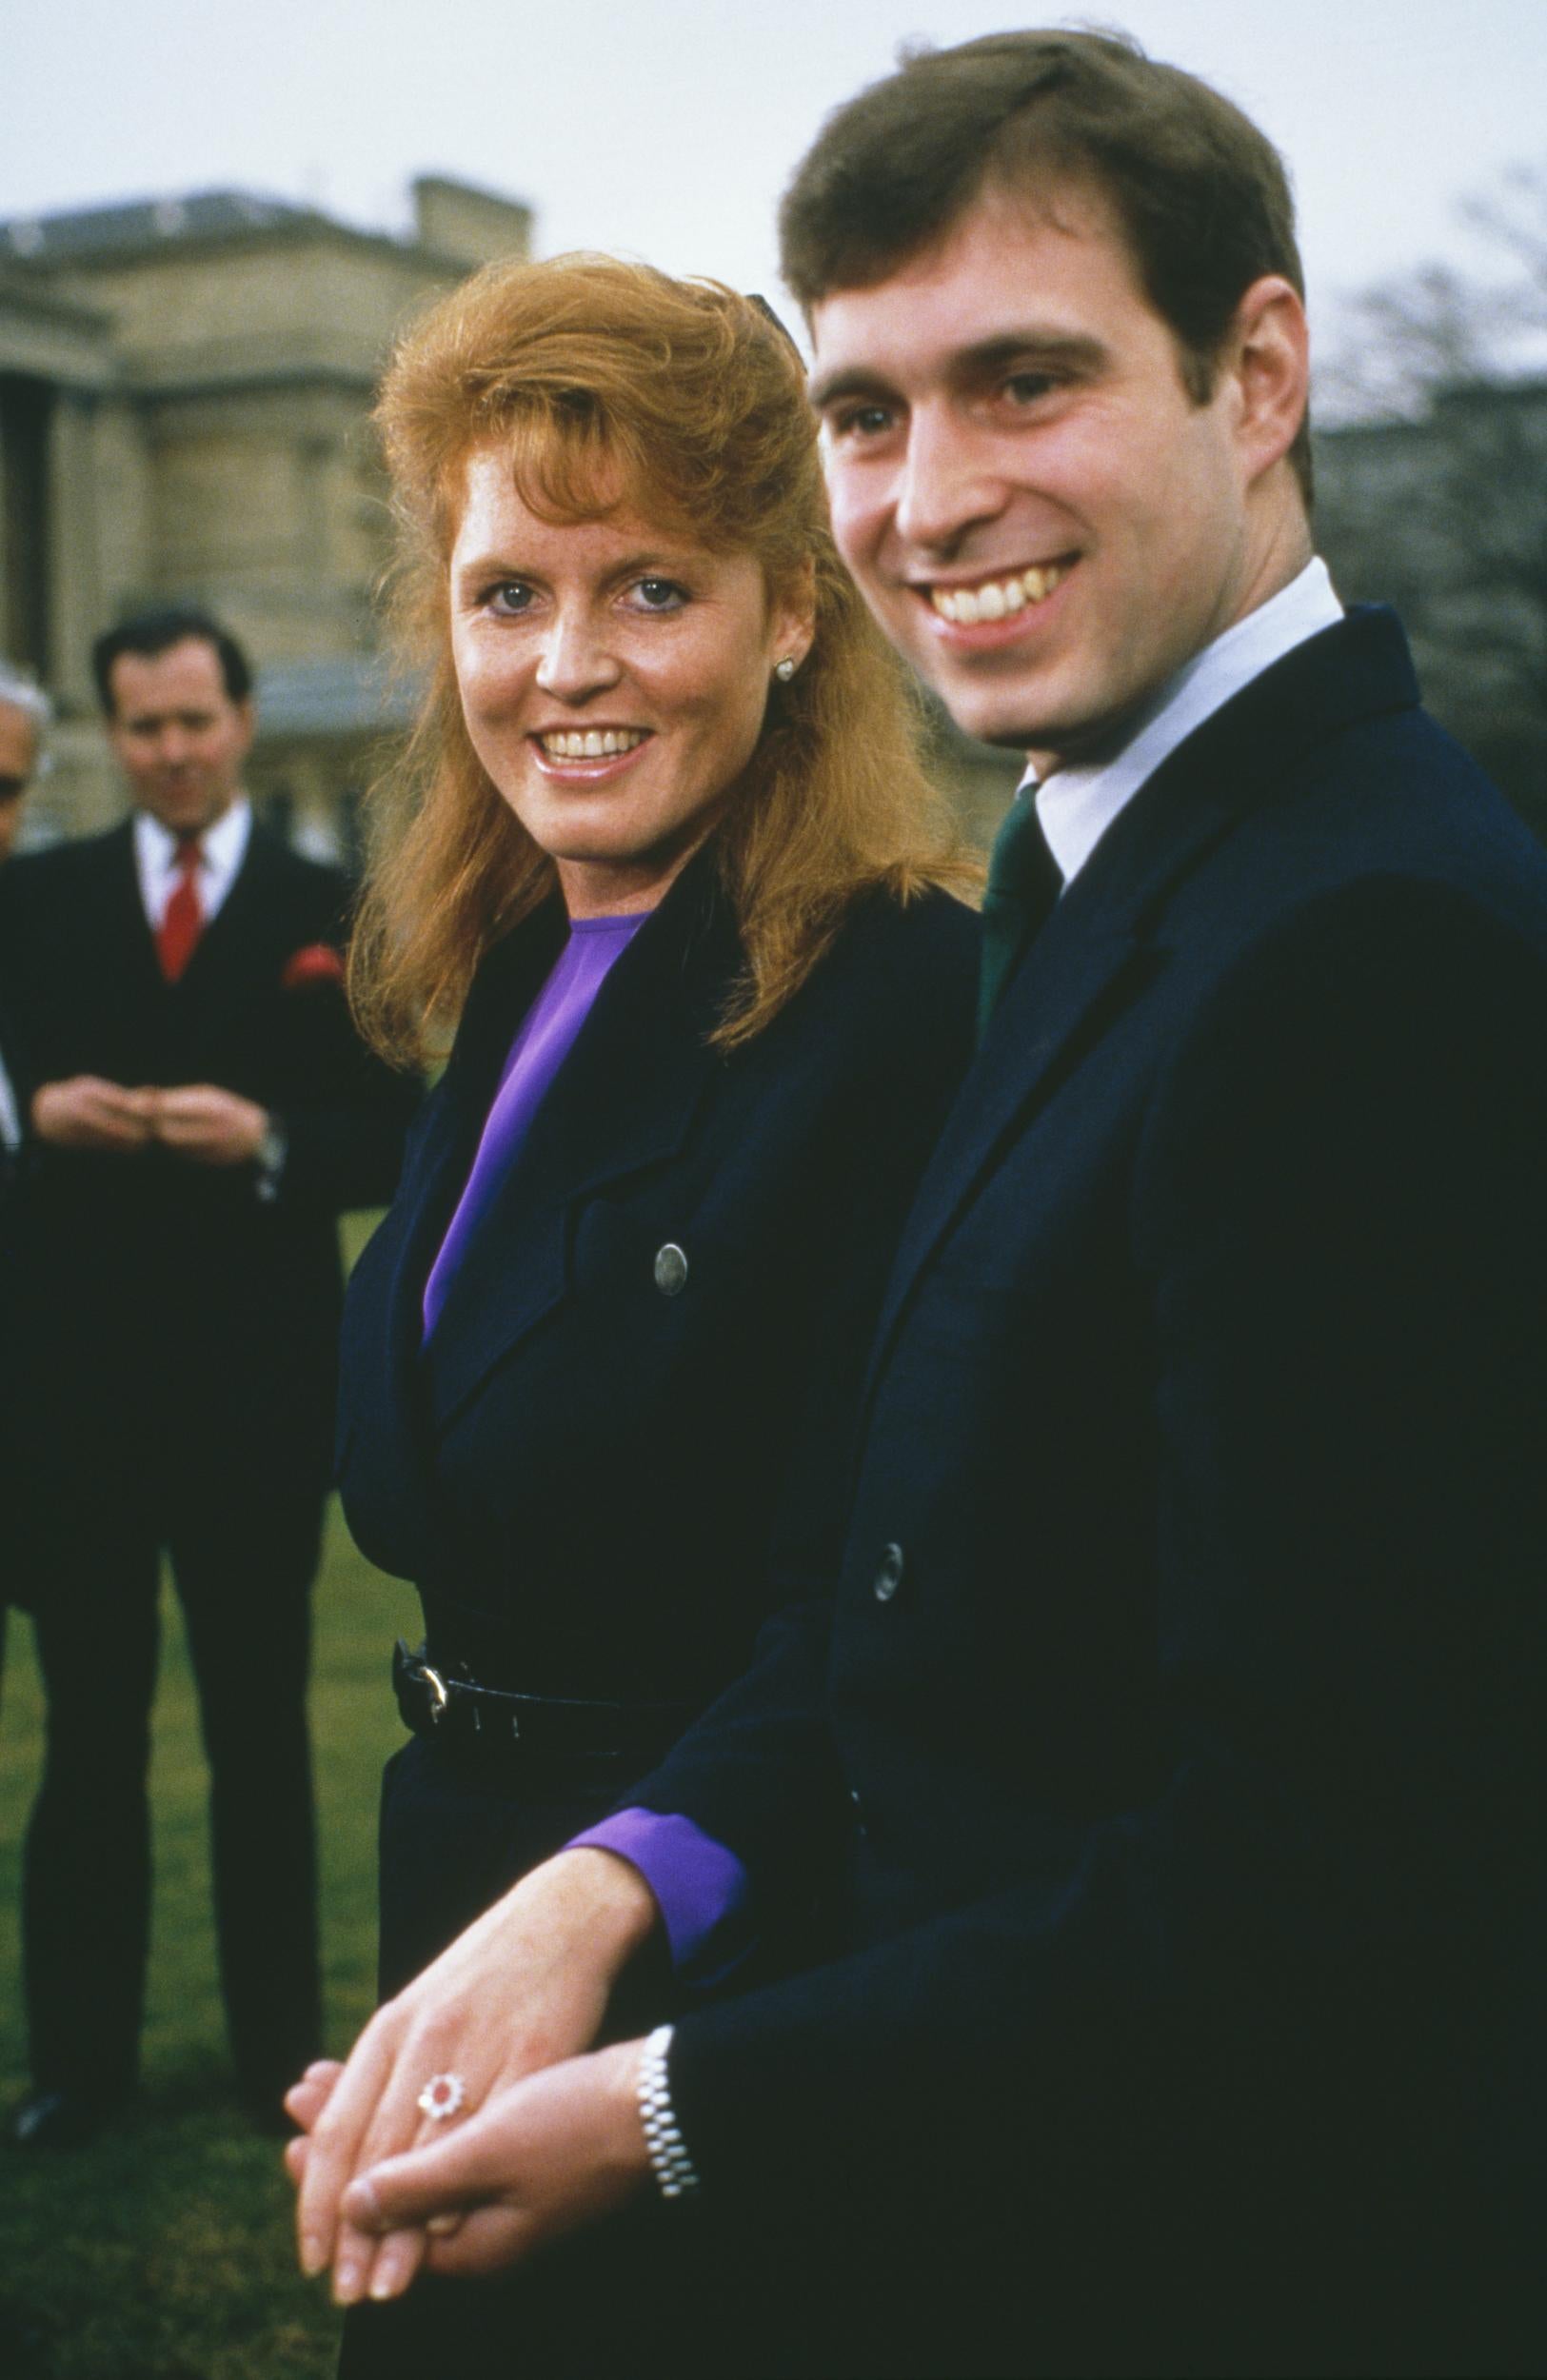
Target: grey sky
[{"x": 667, "y": 127}]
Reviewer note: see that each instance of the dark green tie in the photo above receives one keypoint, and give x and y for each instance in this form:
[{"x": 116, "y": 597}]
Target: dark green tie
[{"x": 1023, "y": 883}]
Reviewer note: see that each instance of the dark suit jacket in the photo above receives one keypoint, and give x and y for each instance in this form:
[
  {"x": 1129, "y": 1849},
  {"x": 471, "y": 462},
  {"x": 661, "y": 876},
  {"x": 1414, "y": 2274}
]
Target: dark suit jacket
[
  {"x": 13, "y": 1384},
  {"x": 178, "y": 1315},
  {"x": 580, "y": 1471},
  {"x": 1186, "y": 1668}
]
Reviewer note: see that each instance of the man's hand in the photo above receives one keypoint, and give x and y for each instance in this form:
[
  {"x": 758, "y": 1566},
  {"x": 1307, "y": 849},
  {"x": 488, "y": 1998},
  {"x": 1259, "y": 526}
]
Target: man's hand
[
  {"x": 210, "y": 1127},
  {"x": 541, "y": 2158},
  {"x": 523, "y": 1987},
  {"x": 86, "y": 1111}
]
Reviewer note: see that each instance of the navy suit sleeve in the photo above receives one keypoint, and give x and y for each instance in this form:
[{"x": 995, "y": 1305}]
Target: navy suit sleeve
[
  {"x": 344, "y": 1148},
  {"x": 344, "y": 1112},
  {"x": 1338, "y": 1205}
]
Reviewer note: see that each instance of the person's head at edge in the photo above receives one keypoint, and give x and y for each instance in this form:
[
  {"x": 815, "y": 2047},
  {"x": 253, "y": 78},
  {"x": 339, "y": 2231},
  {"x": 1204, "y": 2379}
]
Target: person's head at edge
[
  {"x": 25, "y": 712},
  {"x": 177, "y": 689},
  {"x": 1061, "y": 362},
  {"x": 616, "y": 557}
]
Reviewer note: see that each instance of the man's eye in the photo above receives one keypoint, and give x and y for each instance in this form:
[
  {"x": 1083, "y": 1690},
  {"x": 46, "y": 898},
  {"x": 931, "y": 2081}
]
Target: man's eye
[
  {"x": 659, "y": 594},
  {"x": 1028, "y": 388}
]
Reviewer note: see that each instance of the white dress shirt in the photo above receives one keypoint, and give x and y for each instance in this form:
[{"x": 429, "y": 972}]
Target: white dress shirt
[
  {"x": 222, "y": 849},
  {"x": 1074, "y": 806}
]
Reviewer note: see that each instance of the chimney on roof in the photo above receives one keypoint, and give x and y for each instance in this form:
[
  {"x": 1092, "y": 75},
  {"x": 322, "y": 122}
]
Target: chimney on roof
[{"x": 472, "y": 227}]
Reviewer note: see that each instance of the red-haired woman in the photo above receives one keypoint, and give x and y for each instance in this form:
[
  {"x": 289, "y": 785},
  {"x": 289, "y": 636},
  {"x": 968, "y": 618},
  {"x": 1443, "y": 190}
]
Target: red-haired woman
[{"x": 661, "y": 857}]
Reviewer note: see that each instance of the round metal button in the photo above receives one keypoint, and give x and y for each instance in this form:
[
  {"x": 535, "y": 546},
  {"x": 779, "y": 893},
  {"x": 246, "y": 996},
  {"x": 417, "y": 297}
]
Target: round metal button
[
  {"x": 889, "y": 1574},
  {"x": 670, "y": 1269}
]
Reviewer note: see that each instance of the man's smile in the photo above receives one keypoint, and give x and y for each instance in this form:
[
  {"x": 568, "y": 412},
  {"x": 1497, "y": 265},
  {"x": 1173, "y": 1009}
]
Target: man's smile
[{"x": 1000, "y": 596}]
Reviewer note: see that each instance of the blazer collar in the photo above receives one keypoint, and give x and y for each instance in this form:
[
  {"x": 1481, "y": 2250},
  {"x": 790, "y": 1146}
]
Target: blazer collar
[
  {"x": 623, "y": 1099},
  {"x": 1094, "y": 951}
]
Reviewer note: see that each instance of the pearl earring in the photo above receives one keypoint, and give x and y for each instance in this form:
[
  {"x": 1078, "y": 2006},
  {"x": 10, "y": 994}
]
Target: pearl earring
[{"x": 785, "y": 670}]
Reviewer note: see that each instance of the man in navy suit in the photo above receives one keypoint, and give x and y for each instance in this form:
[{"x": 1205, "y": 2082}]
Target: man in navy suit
[
  {"x": 202, "y": 1110},
  {"x": 1179, "y": 1717}
]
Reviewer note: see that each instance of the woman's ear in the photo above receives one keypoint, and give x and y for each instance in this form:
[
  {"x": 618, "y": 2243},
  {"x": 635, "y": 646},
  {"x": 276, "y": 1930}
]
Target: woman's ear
[{"x": 792, "y": 619}]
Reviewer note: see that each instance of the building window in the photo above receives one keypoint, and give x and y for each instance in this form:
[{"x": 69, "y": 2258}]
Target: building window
[{"x": 26, "y": 411}]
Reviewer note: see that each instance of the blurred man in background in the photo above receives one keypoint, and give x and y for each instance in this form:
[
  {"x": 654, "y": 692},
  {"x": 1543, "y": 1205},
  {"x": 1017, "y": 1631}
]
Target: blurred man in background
[
  {"x": 24, "y": 714},
  {"x": 203, "y": 1113}
]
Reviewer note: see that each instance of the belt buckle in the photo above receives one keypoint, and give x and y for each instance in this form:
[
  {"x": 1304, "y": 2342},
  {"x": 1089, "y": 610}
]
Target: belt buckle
[{"x": 440, "y": 1699}]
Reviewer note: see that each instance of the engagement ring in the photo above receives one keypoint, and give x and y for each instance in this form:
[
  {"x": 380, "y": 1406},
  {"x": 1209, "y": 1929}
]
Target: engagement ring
[{"x": 442, "y": 2097}]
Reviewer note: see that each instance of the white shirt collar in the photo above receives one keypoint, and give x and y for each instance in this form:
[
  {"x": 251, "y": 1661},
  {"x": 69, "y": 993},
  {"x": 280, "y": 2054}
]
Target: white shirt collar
[
  {"x": 1076, "y": 806},
  {"x": 222, "y": 849}
]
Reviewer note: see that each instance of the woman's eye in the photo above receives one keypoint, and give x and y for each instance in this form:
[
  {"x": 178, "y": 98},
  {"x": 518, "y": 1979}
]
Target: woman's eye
[
  {"x": 659, "y": 594},
  {"x": 510, "y": 595},
  {"x": 862, "y": 421}
]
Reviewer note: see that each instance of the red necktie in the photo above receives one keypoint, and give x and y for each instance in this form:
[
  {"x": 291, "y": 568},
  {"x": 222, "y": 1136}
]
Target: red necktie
[{"x": 183, "y": 919}]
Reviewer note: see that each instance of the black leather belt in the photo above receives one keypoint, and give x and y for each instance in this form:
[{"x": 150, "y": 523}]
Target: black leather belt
[{"x": 446, "y": 1702}]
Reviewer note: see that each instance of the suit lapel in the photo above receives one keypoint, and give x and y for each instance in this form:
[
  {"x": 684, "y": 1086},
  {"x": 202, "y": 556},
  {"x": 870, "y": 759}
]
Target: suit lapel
[
  {"x": 1096, "y": 951},
  {"x": 623, "y": 1099},
  {"x": 125, "y": 949},
  {"x": 444, "y": 1149}
]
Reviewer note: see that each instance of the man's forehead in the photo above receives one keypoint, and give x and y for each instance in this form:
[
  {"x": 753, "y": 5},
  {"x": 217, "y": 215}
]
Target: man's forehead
[
  {"x": 980, "y": 277},
  {"x": 189, "y": 671}
]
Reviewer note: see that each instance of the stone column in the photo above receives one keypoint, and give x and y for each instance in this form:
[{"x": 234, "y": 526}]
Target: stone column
[{"x": 76, "y": 577}]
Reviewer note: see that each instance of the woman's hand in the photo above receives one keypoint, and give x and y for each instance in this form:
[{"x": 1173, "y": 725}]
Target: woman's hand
[
  {"x": 523, "y": 1987},
  {"x": 541, "y": 2158}
]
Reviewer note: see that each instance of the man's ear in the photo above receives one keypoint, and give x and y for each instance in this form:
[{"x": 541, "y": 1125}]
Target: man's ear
[{"x": 1269, "y": 360}]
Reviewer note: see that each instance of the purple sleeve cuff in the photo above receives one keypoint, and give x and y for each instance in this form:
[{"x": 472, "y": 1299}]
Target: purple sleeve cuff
[{"x": 698, "y": 1886}]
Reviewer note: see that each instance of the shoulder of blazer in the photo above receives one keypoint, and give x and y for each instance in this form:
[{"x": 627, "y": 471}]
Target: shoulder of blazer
[
  {"x": 62, "y": 868},
  {"x": 315, "y": 888},
  {"x": 918, "y": 948},
  {"x": 895, "y": 992},
  {"x": 71, "y": 893}
]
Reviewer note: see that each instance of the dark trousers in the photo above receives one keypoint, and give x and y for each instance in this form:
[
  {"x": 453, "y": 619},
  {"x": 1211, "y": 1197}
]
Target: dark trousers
[{"x": 244, "y": 1579}]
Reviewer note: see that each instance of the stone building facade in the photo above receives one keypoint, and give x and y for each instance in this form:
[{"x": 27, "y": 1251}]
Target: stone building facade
[{"x": 185, "y": 390}]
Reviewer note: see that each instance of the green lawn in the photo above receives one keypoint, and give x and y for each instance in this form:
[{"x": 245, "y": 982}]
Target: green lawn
[{"x": 162, "y": 2251}]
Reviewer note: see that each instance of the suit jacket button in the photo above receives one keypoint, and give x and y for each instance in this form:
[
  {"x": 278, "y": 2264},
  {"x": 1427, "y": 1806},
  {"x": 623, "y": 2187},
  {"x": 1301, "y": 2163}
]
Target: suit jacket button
[
  {"x": 890, "y": 1575},
  {"x": 670, "y": 1269}
]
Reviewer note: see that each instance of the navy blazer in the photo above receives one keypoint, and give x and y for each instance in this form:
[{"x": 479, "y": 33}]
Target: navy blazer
[
  {"x": 1184, "y": 1695},
  {"x": 581, "y": 1469}
]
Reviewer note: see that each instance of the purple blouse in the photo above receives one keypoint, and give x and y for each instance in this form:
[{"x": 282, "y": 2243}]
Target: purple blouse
[{"x": 547, "y": 1034}]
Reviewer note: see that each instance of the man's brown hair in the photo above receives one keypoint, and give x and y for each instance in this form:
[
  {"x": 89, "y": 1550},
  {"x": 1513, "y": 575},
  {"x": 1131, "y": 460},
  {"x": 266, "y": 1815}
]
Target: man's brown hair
[{"x": 1200, "y": 195}]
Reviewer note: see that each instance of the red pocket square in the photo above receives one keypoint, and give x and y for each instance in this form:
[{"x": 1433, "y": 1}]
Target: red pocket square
[{"x": 318, "y": 962}]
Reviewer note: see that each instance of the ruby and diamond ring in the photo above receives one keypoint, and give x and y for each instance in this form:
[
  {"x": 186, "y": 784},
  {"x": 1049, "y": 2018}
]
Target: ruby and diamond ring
[{"x": 442, "y": 2097}]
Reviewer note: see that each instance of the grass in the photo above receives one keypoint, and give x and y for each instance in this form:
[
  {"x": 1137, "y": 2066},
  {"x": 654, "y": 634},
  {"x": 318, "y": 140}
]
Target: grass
[{"x": 162, "y": 2251}]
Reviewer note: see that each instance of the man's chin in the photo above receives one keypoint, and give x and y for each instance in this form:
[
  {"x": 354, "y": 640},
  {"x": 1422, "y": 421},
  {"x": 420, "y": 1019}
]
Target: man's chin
[{"x": 186, "y": 813}]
